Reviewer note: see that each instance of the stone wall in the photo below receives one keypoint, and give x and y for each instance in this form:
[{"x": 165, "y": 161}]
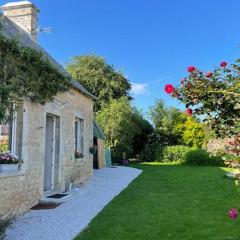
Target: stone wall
[{"x": 21, "y": 190}]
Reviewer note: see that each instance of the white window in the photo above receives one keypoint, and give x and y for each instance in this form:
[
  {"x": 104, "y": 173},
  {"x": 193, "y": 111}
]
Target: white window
[
  {"x": 79, "y": 135},
  {"x": 8, "y": 136}
]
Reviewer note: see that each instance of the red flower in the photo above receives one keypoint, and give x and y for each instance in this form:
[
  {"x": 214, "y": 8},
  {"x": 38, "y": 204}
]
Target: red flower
[
  {"x": 223, "y": 64},
  {"x": 233, "y": 213},
  {"x": 183, "y": 80},
  {"x": 230, "y": 142},
  {"x": 189, "y": 111},
  {"x": 169, "y": 88},
  {"x": 191, "y": 69},
  {"x": 209, "y": 74}
]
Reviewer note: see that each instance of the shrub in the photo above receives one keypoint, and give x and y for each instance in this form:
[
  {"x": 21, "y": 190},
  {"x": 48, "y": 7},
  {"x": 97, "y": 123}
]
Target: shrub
[
  {"x": 187, "y": 155},
  {"x": 148, "y": 153},
  {"x": 202, "y": 157},
  {"x": 159, "y": 153},
  {"x": 174, "y": 153},
  {"x": 4, "y": 223}
]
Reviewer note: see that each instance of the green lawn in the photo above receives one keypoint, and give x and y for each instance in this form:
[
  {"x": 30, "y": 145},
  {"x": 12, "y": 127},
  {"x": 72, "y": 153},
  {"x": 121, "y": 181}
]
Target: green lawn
[{"x": 170, "y": 202}]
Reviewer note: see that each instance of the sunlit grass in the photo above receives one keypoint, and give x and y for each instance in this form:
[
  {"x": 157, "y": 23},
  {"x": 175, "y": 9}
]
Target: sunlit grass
[{"x": 170, "y": 202}]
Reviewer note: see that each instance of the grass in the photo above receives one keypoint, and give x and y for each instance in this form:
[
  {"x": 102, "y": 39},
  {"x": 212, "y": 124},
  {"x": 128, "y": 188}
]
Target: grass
[{"x": 170, "y": 202}]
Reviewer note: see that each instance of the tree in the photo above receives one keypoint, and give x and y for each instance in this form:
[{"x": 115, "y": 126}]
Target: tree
[
  {"x": 165, "y": 121},
  {"x": 192, "y": 132},
  {"x": 125, "y": 129},
  {"x": 100, "y": 78},
  {"x": 144, "y": 132}
]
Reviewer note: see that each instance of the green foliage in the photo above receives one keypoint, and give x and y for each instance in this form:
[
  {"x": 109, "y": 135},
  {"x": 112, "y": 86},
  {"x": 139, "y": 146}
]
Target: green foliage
[
  {"x": 174, "y": 153},
  {"x": 165, "y": 121},
  {"x": 148, "y": 152},
  {"x": 215, "y": 96},
  {"x": 143, "y": 135},
  {"x": 25, "y": 73},
  {"x": 202, "y": 157},
  {"x": 125, "y": 129},
  {"x": 4, "y": 224},
  {"x": 192, "y": 132},
  {"x": 175, "y": 127},
  {"x": 100, "y": 78},
  {"x": 4, "y": 144},
  {"x": 188, "y": 155}
]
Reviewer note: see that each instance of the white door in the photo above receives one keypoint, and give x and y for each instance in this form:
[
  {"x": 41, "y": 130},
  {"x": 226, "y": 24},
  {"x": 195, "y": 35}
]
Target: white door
[{"x": 49, "y": 153}]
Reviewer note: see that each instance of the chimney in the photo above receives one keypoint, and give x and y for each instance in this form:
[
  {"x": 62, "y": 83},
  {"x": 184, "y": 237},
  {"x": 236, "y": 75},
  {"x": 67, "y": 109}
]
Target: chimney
[{"x": 24, "y": 14}]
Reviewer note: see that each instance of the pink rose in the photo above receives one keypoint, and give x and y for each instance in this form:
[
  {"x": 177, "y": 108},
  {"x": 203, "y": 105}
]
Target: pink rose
[
  {"x": 183, "y": 80},
  {"x": 189, "y": 111},
  {"x": 209, "y": 74},
  {"x": 169, "y": 88},
  {"x": 190, "y": 69},
  {"x": 223, "y": 64},
  {"x": 233, "y": 213}
]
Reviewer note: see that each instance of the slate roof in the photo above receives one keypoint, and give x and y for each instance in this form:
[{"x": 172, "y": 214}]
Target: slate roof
[{"x": 12, "y": 31}]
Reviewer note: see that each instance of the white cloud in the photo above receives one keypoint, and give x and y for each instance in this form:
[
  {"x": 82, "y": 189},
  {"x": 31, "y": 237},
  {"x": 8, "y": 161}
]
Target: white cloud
[{"x": 139, "y": 89}]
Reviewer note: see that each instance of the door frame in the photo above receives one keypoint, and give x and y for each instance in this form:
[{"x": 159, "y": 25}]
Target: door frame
[{"x": 53, "y": 152}]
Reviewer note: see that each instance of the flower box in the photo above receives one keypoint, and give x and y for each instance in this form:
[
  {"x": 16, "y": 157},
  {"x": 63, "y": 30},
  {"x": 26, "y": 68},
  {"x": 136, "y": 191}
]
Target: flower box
[
  {"x": 9, "y": 163},
  {"x": 9, "y": 168}
]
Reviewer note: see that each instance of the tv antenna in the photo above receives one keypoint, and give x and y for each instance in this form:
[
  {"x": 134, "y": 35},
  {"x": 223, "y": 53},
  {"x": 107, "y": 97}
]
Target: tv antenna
[{"x": 44, "y": 29}]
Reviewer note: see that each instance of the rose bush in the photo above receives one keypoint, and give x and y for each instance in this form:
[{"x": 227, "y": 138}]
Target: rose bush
[{"x": 215, "y": 96}]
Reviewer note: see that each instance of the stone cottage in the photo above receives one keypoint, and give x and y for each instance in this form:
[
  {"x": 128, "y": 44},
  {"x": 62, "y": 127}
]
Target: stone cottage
[{"x": 46, "y": 136}]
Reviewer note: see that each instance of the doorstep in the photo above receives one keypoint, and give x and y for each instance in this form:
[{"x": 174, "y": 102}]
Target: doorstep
[{"x": 47, "y": 200}]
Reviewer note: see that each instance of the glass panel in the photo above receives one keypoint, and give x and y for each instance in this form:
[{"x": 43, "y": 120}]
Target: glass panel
[
  {"x": 76, "y": 135},
  {"x": 82, "y": 135},
  {"x": 79, "y": 135},
  {"x": 5, "y": 138}
]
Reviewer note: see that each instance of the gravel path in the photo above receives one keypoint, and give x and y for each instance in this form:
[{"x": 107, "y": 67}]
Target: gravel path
[{"x": 70, "y": 218}]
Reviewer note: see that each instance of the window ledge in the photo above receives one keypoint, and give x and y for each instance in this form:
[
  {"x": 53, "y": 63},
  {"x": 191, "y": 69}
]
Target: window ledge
[{"x": 12, "y": 174}]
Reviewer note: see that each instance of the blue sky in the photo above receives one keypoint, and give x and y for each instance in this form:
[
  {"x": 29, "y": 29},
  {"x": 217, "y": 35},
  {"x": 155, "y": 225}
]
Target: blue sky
[{"x": 150, "y": 41}]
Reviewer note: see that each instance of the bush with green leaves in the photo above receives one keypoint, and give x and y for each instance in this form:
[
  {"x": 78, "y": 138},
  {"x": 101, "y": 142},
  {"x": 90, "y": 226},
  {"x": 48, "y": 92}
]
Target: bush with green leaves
[
  {"x": 150, "y": 148},
  {"x": 192, "y": 132},
  {"x": 201, "y": 157},
  {"x": 174, "y": 153},
  {"x": 187, "y": 155}
]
